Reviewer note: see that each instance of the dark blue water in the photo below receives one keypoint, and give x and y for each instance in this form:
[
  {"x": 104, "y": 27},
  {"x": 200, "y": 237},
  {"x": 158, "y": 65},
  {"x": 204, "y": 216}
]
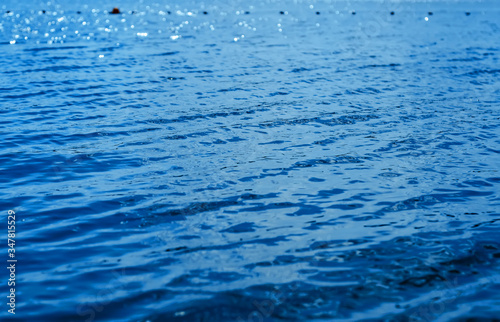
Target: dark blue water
[{"x": 249, "y": 165}]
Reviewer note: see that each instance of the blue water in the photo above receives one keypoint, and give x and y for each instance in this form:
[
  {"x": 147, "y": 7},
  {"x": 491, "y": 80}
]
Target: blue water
[{"x": 251, "y": 165}]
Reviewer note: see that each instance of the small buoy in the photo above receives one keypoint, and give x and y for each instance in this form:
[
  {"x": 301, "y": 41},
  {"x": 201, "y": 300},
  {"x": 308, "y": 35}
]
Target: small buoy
[
  {"x": 205, "y": 13},
  {"x": 282, "y": 12},
  {"x": 115, "y": 11},
  {"x": 317, "y": 12},
  {"x": 353, "y": 12},
  {"x": 430, "y": 13},
  {"x": 78, "y": 12},
  {"x": 467, "y": 13},
  {"x": 392, "y": 13},
  {"x": 247, "y": 12},
  {"x": 43, "y": 11}
]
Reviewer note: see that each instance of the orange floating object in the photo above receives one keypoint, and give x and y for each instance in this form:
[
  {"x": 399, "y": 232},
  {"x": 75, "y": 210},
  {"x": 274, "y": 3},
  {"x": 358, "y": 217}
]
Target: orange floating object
[{"x": 115, "y": 11}]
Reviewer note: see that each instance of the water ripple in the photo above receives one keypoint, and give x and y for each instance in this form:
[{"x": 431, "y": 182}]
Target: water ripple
[{"x": 252, "y": 161}]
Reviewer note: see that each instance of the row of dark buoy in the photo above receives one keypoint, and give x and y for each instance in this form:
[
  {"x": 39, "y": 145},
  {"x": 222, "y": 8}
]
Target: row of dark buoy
[
  {"x": 117, "y": 11},
  {"x": 392, "y": 13}
]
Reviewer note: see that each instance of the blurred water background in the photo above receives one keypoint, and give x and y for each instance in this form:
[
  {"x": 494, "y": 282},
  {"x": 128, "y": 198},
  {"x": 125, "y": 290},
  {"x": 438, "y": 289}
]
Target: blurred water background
[{"x": 252, "y": 160}]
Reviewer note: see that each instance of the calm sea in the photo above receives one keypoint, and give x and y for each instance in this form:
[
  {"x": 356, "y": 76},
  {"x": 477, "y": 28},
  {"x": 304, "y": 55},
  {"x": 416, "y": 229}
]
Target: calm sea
[{"x": 251, "y": 160}]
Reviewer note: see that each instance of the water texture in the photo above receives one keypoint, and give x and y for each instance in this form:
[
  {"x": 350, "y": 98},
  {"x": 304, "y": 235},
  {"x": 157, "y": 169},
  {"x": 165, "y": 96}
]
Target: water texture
[{"x": 252, "y": 160}]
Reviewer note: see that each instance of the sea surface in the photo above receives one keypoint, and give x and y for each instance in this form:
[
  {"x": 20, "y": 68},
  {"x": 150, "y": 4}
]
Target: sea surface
[{"x": 251, "y": 160}]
